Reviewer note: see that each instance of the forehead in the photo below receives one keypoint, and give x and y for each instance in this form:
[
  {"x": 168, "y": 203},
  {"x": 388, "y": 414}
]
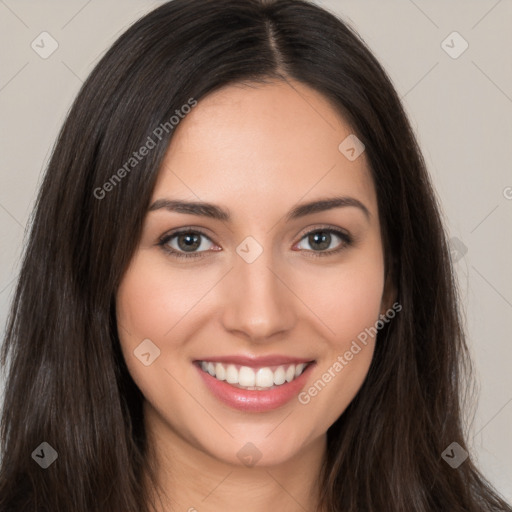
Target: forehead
[{"x": 263, "y": 145}]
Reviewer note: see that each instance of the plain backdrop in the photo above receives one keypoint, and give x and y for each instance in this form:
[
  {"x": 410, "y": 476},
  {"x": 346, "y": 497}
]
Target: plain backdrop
[{"x": 459, "y": 101}]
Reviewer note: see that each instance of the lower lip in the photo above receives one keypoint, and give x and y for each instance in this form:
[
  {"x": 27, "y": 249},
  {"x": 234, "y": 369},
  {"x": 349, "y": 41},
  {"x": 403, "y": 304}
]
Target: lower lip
[{"x": 251, "y": 400}]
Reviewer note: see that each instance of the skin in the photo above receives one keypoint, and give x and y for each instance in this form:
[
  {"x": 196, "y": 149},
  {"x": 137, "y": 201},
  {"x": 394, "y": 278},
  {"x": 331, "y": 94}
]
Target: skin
[{"x": 256, "y": 151}]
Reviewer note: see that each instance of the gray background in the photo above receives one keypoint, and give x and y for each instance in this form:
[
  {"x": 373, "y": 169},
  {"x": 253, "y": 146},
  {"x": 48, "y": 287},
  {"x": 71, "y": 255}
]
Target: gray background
[{"x": 459, "y": 107}]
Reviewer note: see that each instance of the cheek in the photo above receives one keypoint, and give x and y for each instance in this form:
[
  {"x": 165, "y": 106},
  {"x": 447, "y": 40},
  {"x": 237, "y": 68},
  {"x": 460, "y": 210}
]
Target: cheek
[
  {"x": 148, "y": 303},
  {"x": 148, "y": 306},
  {"x": 346, "y": 297},
  {"x": 358, "y": 303}
]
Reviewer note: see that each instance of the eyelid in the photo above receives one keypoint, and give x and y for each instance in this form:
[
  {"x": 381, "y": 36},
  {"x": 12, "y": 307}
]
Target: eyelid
[{"x": 324, "y": 227}]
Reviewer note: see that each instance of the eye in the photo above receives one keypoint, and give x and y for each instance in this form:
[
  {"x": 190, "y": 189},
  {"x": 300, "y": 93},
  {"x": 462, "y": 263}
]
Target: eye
[
  {"x": 322, "y": 239},
  {"x": 185, "y": 243},
  {"x": 189, "y": 243}
]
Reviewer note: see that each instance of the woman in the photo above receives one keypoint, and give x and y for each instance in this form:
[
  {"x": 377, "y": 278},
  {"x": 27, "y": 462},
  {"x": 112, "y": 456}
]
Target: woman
[{"x": 237, "y": 291}]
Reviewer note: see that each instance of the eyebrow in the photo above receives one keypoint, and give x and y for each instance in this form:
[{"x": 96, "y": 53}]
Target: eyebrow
[{"x": 216, "y": 212}]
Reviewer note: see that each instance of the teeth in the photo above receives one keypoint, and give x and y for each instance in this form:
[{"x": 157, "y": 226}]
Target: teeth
[
  {"x": 231, "y": 374},
  {"x": 246, "y": 376},
  {"x": 264, "y": 378},
  {"x": 249, "y": 378},
  {"x": 299, "y": 369},
  {"x": 279, "y": 376},
  {"x": 220, "y": 372}
]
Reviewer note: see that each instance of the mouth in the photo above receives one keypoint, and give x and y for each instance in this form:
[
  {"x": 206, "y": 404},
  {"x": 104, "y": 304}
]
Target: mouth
[{"x": 253, "y": 387}]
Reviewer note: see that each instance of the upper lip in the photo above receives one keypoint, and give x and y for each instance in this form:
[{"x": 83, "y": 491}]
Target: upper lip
[{"x": 256, "y": 362}]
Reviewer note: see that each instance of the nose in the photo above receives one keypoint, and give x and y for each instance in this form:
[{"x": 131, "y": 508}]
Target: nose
[{"x": 260, "y": 304}]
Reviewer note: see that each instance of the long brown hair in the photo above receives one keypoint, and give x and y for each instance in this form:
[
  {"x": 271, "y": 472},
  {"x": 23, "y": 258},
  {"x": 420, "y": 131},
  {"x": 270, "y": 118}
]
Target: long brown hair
[{"x": 67, "y": 382}]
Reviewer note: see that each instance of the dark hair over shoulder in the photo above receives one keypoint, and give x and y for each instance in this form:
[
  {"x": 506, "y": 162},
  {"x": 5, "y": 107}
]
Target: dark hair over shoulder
[{"x": 67, "y": 383}]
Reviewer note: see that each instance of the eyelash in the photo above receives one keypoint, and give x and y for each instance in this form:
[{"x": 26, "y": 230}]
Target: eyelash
[{"x": 164, "y": 240}]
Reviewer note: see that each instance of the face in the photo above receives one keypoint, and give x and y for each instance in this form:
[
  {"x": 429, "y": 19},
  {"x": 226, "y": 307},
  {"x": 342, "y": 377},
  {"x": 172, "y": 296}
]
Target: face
[{"x": 257, "y": 290}]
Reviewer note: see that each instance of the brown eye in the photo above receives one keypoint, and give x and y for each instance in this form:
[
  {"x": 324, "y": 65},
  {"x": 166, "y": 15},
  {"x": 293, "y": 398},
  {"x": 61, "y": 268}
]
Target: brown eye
[
  {"x": 188, "y": 241},
  {"x": 185, "y": 243}
]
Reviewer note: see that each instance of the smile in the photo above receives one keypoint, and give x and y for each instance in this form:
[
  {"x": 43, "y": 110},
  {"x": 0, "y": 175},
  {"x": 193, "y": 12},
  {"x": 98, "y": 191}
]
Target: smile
[{"x": 255, "y": 386}]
